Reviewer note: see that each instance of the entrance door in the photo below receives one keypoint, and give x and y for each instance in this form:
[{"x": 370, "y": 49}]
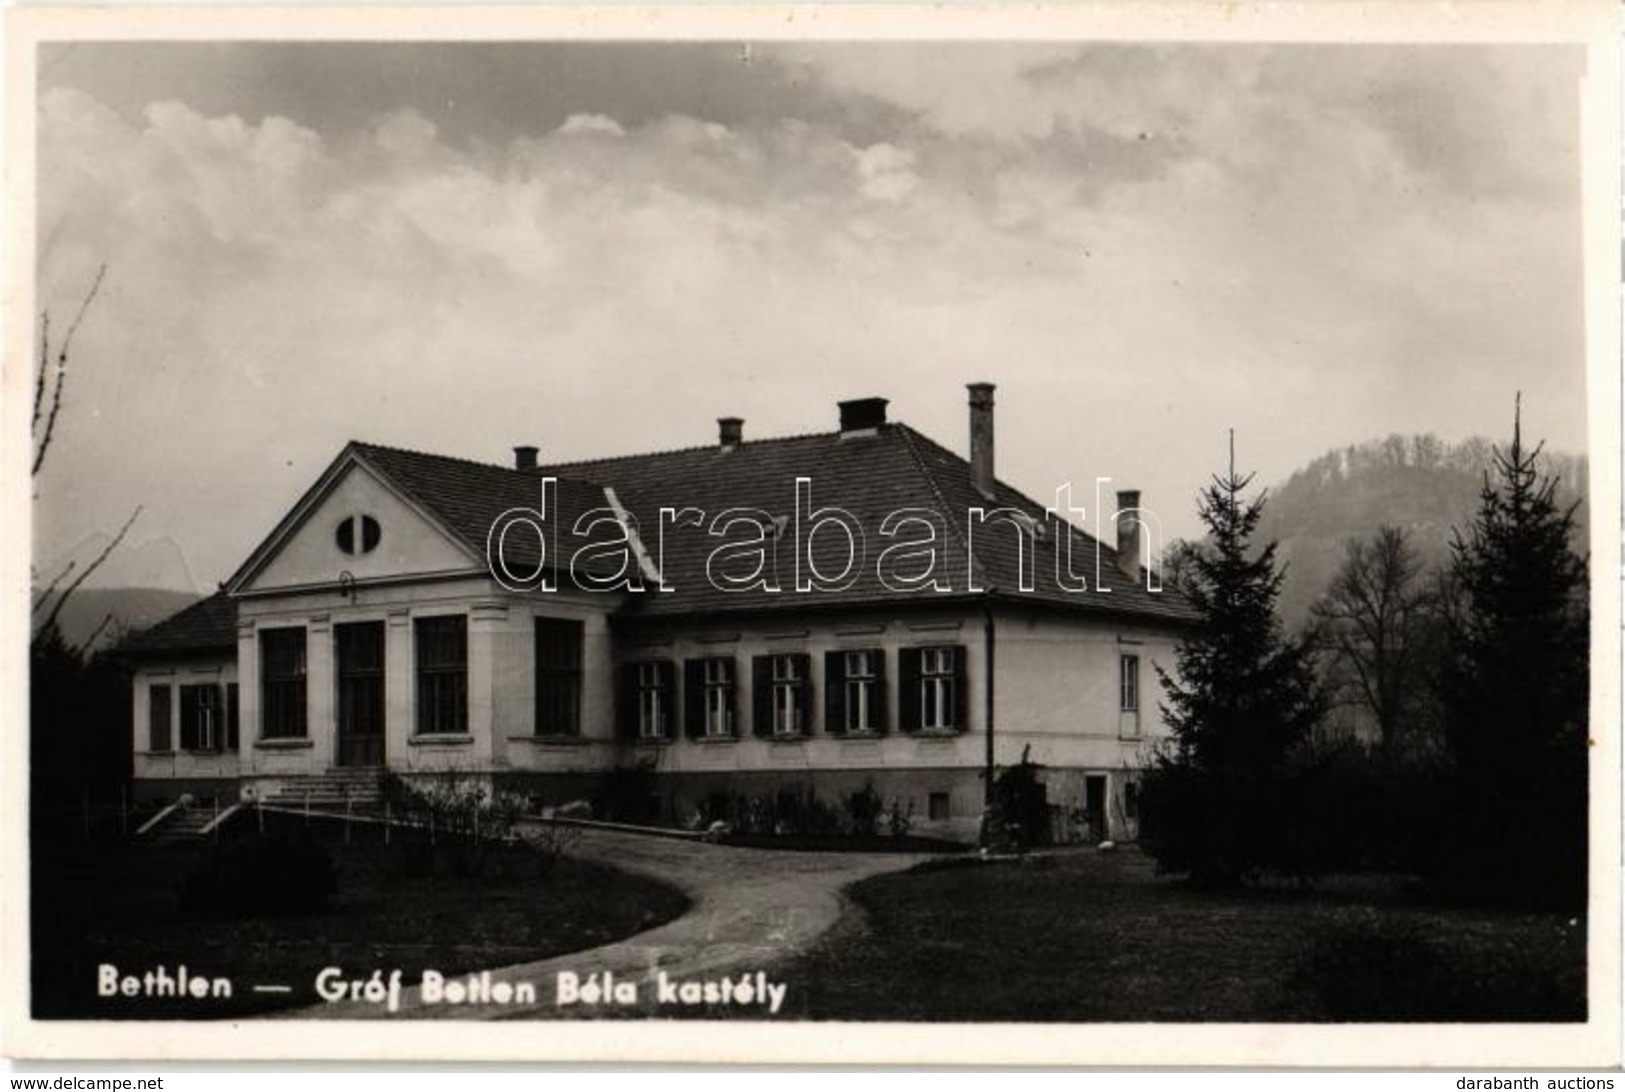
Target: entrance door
[
  {"x": 361, "y": 693},
  {"x": 1094, "y": 806}
]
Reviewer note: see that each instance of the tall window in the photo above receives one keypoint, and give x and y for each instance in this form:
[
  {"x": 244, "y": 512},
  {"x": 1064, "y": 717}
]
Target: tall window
[
  {"x": 282, "y": 683},
  {"x": 708, "y": 698},
  {"x": 932, "y": 690},
  {"x": 717, "y": 678},
  {"x": 862, "y": 691},
  {"x": 854, "y": 690},
  {"x": 652, "y": 697},
  {"x": 779, "y": 705},
  {"x": 158, "y": 717},
  {"x": 789, "y": 704},
  {"x": 202, "y": 727},
  {"x": 558, "y": 677},
  {"x": 442, "y": 663},
  {"x": 938, "y": 677},
  {"x": 1128, "y": 682}
]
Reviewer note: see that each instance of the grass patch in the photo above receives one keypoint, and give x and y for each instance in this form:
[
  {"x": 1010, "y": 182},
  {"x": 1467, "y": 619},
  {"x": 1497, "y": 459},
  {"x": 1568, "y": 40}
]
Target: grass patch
[
  {"x": 1099, "y": 937},
  {"x": 122, "y": 906}
]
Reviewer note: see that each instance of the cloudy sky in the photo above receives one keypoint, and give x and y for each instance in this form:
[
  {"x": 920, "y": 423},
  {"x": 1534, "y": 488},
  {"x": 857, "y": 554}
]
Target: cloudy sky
[{"x": 600, "y": 248}]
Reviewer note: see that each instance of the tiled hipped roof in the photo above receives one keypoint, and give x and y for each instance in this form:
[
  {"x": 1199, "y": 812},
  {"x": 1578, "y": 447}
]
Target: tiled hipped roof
[{"x": 870, "y": 475}]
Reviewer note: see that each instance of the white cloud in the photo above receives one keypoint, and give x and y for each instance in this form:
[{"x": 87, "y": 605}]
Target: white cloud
[
  {"x": 592, "y": 123},
  {"x": 605, "y": 287}
]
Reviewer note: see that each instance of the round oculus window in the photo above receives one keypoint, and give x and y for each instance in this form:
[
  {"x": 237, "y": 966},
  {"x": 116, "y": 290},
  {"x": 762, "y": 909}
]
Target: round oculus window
[{"x": 358, "y": 534}]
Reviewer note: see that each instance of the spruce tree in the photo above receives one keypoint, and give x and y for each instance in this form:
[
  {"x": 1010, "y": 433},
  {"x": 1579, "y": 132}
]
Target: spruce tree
[
  {"x": 1243, "y": 697},
  {"x": 1516, "y": 689}
]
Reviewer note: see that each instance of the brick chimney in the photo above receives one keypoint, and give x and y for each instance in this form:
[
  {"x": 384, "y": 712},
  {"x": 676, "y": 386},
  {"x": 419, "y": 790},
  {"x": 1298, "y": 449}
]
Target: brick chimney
[
  {"x": 981, "y": 437},
  {"x": 524, "y": 457},
  {"x": 861, "y": 416},
  {"x": 1128, "y": 532},
  {"x": 730, "y": 432}
]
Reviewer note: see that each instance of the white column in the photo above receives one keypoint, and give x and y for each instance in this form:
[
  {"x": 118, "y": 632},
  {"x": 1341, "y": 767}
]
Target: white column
[
  {"x": 319, "y": 686},
  {"x": 484, "y": 621},
  {"x": 400, "y": 689},
  {"x": 248, "y": 695}
]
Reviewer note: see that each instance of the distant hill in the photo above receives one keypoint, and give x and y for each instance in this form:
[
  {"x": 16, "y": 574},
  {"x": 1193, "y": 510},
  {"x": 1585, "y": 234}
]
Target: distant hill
[
  {"x": 154, "y": 563},
  {"x": 131, "y": 608},
  {"x": 1417, "y": 483}
]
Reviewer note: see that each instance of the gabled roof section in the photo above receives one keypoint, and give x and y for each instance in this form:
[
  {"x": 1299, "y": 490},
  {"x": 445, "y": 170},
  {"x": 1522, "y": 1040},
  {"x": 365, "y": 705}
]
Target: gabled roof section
[
  {"x": 469, "y": 498},
  {"x": 209, "y": 625},
  {"x": 459, "y": 497},
  {"x": 354, "y": 453}
]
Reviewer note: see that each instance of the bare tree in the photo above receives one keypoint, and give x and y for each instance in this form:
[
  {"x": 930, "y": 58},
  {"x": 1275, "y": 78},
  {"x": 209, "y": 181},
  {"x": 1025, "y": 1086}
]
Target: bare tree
[
  {"x": 49, "y": 385},
  {"x": 1178, "y": 562},
  {"x": 1375, "y": 623}
]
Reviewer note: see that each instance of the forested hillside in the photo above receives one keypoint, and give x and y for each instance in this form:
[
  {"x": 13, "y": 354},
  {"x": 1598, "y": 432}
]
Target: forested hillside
[{"x": 1416, "y": 483}]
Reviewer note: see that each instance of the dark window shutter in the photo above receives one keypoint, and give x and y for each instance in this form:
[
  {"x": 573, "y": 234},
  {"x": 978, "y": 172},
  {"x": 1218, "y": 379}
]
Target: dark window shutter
[
  {"x": 835, "y": 692},
  {"x": 626, "y": 702},
  {"x": 224, "y": 729},
  {"x": 733, "y": 698},
  {"x": 961, "y": 691},
  {"x": 232, "y": 723},
  {"x": 880, "y": 707},
  {"x": 668, "y": 697},
  {"x": 694, "y": 698},
  {"x": 908, "y": 677},
  {"x": 158, "y": 718},
  {"x": 189, "y": 718},
  {"x": 761, "y": 699}
]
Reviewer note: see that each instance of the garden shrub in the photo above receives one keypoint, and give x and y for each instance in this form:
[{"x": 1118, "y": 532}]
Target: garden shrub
[
  {"x": 627, "y": 795},
  {"x": 1019, "y": 817},
  {"x": 1217, "y": 825},
  {"x": 863, "y": 810}
]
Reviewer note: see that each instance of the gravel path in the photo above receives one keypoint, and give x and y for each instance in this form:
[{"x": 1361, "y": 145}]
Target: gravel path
[{"x": 752, "y": 909}]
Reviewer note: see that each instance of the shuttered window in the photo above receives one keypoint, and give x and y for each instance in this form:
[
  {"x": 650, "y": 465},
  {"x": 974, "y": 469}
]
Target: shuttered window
[
  {"x": 647, "y": 699},
  {"x": 855, "y": 691},
  {"x": 202, "y": 718},
  {"x": 779, "y": 701},
  {"x": 709, "y": 704},
  {"x": 932, "y": 689}
]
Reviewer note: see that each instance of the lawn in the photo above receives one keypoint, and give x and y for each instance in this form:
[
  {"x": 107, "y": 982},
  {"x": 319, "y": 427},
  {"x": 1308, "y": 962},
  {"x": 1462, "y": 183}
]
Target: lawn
[
  {"x": 120, "y": 905},
  {"x": 1099, "y": 937}
]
